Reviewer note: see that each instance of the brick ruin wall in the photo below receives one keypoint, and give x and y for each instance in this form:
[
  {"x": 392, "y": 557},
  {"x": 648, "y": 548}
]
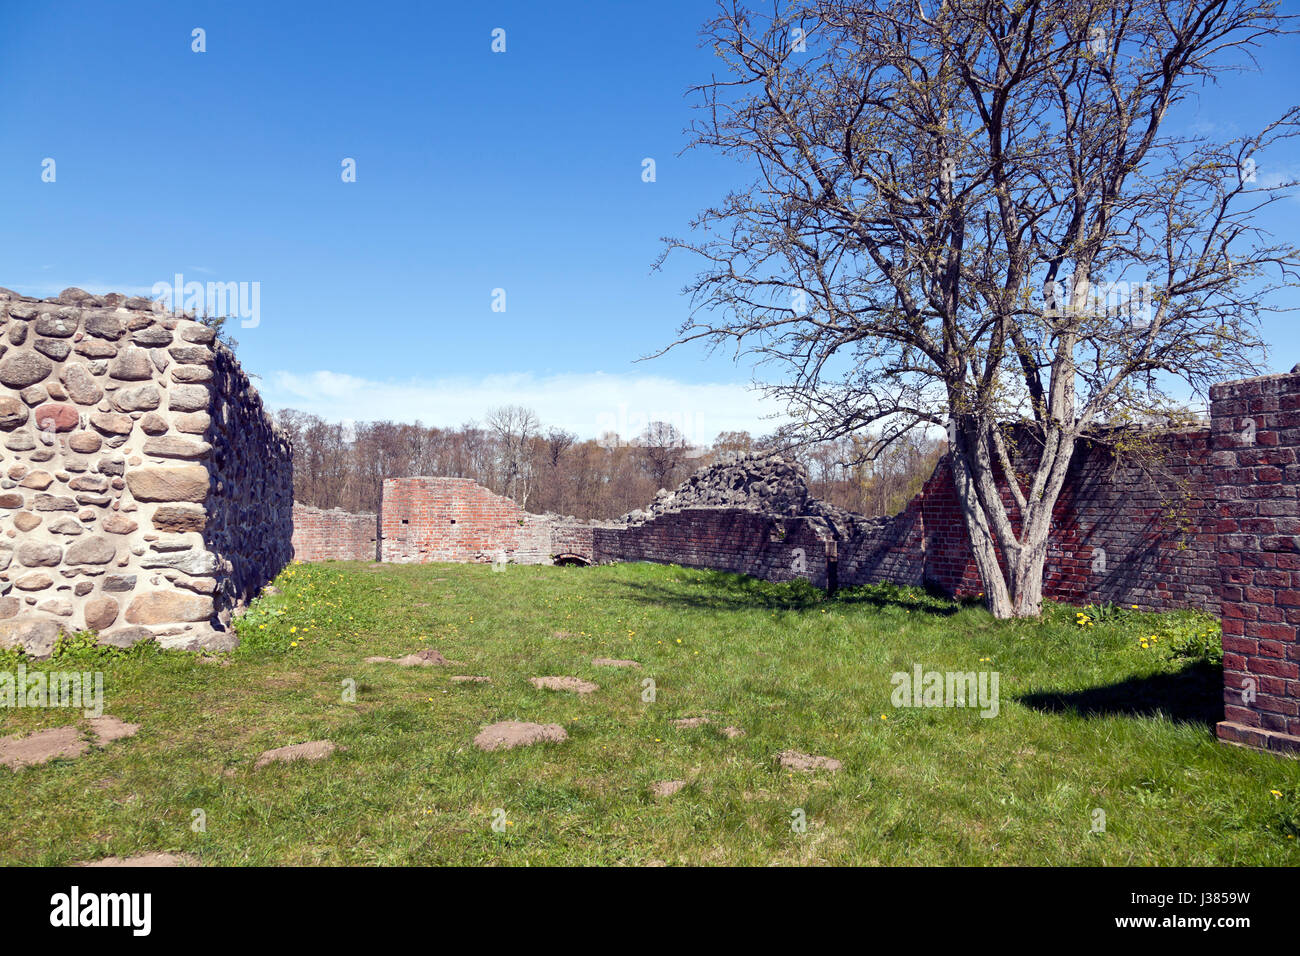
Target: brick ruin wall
[
  {"x": 1122, "y": 531},
  {"x": 1137, "y": 530},
  {"x": 144, "y": 491},
  {"x": 455, "y": 519},
  {"x": 724, "y": 539},
  {"x": 334, "y": 535}
]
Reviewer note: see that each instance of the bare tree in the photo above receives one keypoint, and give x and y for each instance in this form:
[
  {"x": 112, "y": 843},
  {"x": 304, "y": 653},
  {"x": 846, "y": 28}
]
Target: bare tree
[
  {"x": 734, "y": 442},
  {"x": 965, "y": 215},
  {"x": 515, "y": 428},
  {"x": 558, "y": 441},
  {"x": 662, "y": 449}
]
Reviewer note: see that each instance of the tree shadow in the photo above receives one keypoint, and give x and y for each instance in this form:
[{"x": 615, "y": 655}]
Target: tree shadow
[
  {"x": 1193, "y": 695},
  {"x": 724, "y": 590},
  {"x": 930, "y": 598},
  {"x": 728, "y": 592}
]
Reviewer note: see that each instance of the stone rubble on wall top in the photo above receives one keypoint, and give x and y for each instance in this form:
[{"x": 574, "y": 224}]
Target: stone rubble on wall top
[{"x": 761, "y": 482}]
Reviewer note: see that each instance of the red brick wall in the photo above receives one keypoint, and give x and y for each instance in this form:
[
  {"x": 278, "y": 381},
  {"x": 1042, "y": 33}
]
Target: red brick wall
[
  {"x": 573, "y": 539},
  {"x": 1155, "y": 524},
  {"x": 454, "y": 519},
  {"x": 1258, "y": 522},
  {"x": 333, "y": 535}
]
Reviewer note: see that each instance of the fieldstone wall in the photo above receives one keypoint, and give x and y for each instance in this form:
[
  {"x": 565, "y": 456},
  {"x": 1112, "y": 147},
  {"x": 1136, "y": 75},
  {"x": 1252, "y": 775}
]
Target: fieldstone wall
[
  {"x": 250, "y": 499},
  {"x": 334, "y": 535},
  {"x": 144, "y": 492}
]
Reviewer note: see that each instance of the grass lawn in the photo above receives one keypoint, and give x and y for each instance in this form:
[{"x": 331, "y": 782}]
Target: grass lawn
[{"x": 1089, "y": 720}]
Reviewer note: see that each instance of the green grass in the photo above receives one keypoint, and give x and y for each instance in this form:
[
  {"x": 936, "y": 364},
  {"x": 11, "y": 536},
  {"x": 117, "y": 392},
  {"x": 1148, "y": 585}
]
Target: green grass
[{"x": 1089, "y": 720}]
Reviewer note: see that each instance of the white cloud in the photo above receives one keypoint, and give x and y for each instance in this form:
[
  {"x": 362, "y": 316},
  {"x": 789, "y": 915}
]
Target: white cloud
[{"x": 587, "y": 404}]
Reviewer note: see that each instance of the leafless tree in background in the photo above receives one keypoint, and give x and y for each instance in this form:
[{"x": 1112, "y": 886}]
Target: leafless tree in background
[
  {"x": 338, "y": 467},
  {"x": 663, "y": 449},
  {"x": 515, "y": 429},
  {"x": 945, "y": 192}
]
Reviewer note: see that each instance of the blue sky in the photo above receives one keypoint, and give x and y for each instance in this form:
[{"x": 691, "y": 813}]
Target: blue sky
[{"x": 475, "y": 171}]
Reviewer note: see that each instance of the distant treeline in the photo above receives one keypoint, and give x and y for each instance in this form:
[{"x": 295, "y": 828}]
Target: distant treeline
[{"x": 548, "y": 469}]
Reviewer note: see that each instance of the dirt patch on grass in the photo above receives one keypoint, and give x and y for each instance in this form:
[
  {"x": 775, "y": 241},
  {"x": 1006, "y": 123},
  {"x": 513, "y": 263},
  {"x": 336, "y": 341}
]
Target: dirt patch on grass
[
  {"x": 312, "y": 750},
  {"x": 425, "y": 658},
  {"x": 18, "y": 751},
  {"x": 731, "y": 733},
  {"x": 45, "y": 745},
  {"x": 471, "y": 679},
  {"x": 509, "y": 734},
  {"x": 562, "y": 634},
  {"x": 107, "y": 729},
  {"x": 666, "y": 788},
  {"x": 146, "y": 859},
  {"x": 613, "y": 662},
  {"x": 688, "y": 722},
  {"x": 574, "y": 685},
  {"x": 795, "y": 760}
]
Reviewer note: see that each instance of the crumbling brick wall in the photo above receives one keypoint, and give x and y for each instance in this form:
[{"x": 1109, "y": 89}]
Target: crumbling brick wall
[
  {"x": 334, "y": 535},
  {"x": 454, "y": 519},
  {"x": 892, "y": 550},
  {"x": 1150, "y": 516},
  {"x": 574, "y": 539},
  {"x": 725, "y": 539},
  {"x": 144, "y": 492}
]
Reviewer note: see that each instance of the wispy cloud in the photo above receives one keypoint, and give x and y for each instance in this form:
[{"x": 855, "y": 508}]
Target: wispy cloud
[{"x": 587, "y": 404}]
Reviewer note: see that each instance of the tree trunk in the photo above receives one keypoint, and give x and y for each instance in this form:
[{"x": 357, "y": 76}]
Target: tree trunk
[
  {"x": 1027, "y": 579},
  {"x": 997, "y": 595},
  {"x": 1013, "y": 585}
]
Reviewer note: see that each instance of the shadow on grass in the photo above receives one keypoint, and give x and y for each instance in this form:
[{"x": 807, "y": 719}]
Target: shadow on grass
[
  {"x": 1193, "y": 695},
  {"x": 722, "y": 590}
]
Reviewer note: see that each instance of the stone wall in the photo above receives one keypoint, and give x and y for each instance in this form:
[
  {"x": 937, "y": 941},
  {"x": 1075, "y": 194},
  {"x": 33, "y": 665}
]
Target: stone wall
[
  {"x": 144, "y": 492},
  {"x": 334, "y": 535},
  {"x": 1256, "y": 443},
  {"x": 250, "y": 499}
]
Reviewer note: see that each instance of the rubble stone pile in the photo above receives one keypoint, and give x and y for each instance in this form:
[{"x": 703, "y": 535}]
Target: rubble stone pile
[{"x": 762, "y": 482}]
